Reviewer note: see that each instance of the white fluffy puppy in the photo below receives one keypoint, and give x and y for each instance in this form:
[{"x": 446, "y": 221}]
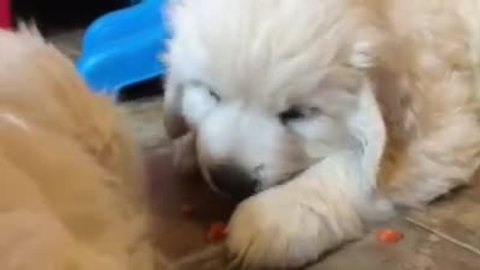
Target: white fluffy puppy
[{"x": 321, "y": 114}]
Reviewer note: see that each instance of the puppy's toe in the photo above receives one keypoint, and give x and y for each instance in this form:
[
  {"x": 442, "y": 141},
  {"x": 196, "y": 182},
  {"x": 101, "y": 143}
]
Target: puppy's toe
[{"x": 275, "y": 229}]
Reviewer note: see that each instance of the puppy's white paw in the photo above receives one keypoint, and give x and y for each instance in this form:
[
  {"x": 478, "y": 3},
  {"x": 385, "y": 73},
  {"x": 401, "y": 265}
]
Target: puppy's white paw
[{"x": 278, "y": 228}]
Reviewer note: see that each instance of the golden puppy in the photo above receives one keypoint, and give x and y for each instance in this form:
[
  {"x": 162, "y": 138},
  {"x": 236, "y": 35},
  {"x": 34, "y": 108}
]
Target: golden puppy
[
  {"x": 323, "y": 114},
  {"x": 71, "y": 182}
]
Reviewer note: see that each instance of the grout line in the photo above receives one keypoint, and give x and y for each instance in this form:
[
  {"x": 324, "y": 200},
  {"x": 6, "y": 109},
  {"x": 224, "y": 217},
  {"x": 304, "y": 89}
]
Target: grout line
[{"x": 446, "y": 237}]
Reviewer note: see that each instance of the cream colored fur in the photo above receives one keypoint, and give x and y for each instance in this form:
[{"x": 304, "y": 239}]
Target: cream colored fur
[
  {"x": 72, "y": 184},
  {"x": 388, "y": 90}
]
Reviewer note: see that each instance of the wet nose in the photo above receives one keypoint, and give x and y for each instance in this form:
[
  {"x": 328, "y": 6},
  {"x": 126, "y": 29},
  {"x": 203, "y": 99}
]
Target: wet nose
[{"x": 233, "y": 181}]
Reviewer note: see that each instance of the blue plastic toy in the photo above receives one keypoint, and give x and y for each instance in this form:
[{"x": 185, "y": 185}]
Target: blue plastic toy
[{"x": 123, "y": 47}]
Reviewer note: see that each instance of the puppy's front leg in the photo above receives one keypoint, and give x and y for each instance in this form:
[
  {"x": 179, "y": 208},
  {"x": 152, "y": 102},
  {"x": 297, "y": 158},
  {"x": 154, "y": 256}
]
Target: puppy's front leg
[{"x": 292, "y": 224}]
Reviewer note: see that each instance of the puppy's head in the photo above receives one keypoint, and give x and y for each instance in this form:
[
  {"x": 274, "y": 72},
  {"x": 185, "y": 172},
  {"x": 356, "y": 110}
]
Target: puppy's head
[{"x": 270, "y": 87}]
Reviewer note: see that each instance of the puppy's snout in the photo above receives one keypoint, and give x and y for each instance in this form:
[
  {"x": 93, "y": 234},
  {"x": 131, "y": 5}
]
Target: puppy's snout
[{"x": 233, "y": 181}]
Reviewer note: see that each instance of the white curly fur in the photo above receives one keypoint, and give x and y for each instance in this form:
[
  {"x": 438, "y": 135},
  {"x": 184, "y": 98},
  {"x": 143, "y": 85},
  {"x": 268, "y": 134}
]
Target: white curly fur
[{"x": 395, "y": 121}]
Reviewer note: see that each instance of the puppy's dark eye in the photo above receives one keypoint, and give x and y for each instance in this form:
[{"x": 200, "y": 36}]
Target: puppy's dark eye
[
  {"x": 199, "y": 84},
  {"x": 296, "y": 113},
  {"x": 214, "y": 95}
]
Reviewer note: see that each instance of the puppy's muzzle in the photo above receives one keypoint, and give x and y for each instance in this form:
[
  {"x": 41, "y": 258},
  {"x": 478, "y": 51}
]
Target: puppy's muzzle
[{"x": 233, "y": 181}]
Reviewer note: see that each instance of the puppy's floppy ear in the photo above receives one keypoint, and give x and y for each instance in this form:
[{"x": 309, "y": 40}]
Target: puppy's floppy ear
[
  {"x": 367, "y": 126},
  {"x": 366, "y": 123},
  {"x": 174, "y": 121}
]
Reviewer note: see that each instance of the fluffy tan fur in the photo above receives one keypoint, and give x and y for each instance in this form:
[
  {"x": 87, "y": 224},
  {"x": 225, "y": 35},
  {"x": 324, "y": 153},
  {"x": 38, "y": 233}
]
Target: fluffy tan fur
[
  {"x": 426, "y": 80},
  {"x": 72, "y": 183}
]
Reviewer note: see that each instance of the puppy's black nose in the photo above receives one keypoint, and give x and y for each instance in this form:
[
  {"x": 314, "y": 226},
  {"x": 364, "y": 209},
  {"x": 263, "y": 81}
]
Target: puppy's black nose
[{"x": 233, "y": 181}]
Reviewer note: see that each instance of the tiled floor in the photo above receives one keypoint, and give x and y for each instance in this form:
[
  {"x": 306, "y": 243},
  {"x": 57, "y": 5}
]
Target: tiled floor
[
  {"x": 444, "y": 236},
  {"x": 181, "y": 237}
]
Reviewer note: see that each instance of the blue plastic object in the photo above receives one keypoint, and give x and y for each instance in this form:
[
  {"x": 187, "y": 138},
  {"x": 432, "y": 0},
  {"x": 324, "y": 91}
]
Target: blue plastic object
[{"x": 123, "y": 47}]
